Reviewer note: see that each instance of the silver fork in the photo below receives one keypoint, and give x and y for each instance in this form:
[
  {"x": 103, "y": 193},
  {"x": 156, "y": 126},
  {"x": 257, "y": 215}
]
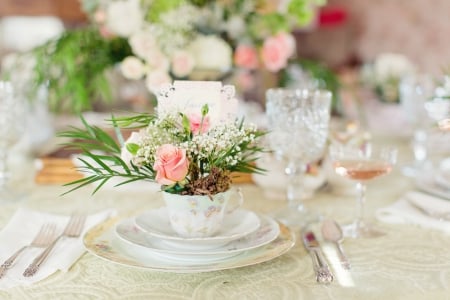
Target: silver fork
[
  {"x": 73, "y": 230},
  {"x": 42, "y": 239}
]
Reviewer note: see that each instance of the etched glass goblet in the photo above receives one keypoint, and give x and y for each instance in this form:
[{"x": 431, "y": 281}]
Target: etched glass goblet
[
  {"x": 10, "y": 132},
  {"x": 298, "y": 121}
]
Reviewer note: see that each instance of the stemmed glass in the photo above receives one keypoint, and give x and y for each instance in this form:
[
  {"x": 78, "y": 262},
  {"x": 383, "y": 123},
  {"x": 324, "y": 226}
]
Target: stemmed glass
[
  {"x": 10, "y": 132},
  {"x": 362, "y": 163},
  {"x": 415, "y": 91},
  {"x": 298, "y": 121}
]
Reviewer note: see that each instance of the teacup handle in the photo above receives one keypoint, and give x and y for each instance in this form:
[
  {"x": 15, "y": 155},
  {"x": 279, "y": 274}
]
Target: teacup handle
[{"x": 236, "y": 194}]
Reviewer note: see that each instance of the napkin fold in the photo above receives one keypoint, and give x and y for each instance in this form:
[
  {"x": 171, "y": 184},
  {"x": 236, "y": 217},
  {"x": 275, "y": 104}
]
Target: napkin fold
[
  {"x": 402, "y": 212},
  {"x": 21, "y": 230}
]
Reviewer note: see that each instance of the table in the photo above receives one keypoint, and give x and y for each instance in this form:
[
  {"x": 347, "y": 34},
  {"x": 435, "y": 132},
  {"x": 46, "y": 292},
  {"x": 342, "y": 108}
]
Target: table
[{"x": 407, "y": 263}]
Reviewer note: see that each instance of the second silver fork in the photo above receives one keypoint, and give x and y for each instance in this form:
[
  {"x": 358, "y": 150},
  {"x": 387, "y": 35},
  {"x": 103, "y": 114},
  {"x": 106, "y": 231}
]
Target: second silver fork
[
  {"x": 73, "y": 230},
  {"x": 42, "y": 239}
]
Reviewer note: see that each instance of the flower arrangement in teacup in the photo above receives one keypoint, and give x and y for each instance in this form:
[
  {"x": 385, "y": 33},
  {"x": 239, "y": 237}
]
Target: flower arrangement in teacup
[
  {"x": 192, "y": 153},
  {"x": 385, "y": 73}
]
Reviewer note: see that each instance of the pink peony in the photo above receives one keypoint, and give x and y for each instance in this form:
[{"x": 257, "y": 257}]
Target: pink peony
[
  {"x": 171, "y": 164},
  {"x": 197, "y": 126},
  {"x": 246, "y": 56}
]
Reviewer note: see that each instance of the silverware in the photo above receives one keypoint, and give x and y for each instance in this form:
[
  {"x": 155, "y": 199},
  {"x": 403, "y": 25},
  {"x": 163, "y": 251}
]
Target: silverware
[
  {"x": 73, "y": 230},
  {"x": 332, "y": 232},
  {"x": 323, "y": 273},
  {"x": 42, "y": 239},
  {"x": 441, "y": 216}
]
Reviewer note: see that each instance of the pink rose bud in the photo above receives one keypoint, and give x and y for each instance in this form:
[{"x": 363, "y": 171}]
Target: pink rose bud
[
  {"x": 171, "y": 164},
  {"x": 196, "y": 124}
]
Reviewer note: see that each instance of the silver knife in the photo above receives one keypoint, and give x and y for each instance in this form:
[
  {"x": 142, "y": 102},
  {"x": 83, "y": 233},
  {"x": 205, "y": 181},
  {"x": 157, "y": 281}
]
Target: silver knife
[{"x": 321, "y": 268}]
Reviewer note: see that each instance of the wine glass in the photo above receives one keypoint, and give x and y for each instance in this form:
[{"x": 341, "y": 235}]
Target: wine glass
[
  {"x": 362, "y": 163},
  {"x": 10, "y": 133},
  {"x": 298, "y": 121},
  {"x": 415, "y": 91}
]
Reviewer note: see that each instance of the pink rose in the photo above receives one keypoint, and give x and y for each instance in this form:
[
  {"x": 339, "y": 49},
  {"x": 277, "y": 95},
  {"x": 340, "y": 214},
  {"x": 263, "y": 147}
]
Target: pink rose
[
  {"x": 287, "y": 42},
  {"x": 197, "y": 126},
  {"x": 277, "y": 50},
  {"x": 246, "y": 56},
  {"x": 171, "y": 164}
]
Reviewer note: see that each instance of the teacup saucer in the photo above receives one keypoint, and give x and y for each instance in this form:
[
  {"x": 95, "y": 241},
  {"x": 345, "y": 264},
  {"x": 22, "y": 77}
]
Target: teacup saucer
[
  {"x": 129, "y": 233},
  {"x": 235, "y": 225}
]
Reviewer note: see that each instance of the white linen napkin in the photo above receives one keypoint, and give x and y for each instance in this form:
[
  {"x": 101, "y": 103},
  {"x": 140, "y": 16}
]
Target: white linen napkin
[
  {"x": 21, "y": 230},
  {"x": 402, "y": 212}
]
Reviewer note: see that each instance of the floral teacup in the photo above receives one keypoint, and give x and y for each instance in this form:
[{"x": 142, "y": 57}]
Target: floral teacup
[{"x": 198, "y": 216}]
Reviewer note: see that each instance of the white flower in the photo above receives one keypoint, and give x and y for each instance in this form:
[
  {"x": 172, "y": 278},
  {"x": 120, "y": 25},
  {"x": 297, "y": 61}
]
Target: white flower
[
  {"x": 132, "y": 68},
  {"x": 156, "y": 79},
  {"x": 211, "y": 53},
  {"x": 235, "y": 27},
  {"x": 182, "y": 63},
  {"x": 142, "y": 43},
  {"x": 135, "y": 138},
  {"x": 391, "y": 65},
  {"x": 124, "y": 17}
]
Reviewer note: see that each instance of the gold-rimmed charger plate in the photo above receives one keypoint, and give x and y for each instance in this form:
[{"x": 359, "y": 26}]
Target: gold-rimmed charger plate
[{"x": 102, "y": 242}]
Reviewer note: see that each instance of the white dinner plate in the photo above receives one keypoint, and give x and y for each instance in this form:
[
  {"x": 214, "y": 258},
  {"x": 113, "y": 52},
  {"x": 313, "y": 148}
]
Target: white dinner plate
[
  {"x": 235, "y": 225},
  {"x": 131, "y": 234},
  {"x": 102, "y": 242}
]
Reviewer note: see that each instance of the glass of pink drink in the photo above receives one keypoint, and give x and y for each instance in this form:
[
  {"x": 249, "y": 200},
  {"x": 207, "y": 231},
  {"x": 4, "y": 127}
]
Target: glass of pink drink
[{"x": 362, "y": 163}]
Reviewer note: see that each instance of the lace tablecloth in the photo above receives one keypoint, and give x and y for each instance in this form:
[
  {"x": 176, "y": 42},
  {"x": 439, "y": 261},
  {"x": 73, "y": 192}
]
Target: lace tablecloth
[{"x": 407, "y": 263}]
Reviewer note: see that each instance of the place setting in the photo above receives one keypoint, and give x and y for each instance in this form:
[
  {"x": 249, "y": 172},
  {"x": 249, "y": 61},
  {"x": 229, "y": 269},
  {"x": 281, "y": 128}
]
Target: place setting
[
  {"x": 151, "y": 243},
  {"x": 191, "y": 150}
]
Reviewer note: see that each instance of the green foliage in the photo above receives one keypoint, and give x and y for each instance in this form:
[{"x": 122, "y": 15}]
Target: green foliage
[
  {"x": 157, "y": 8},
  {"x": 101, "y": 157},
  {"x": 73, "y": 67},
  {"x": 302, "y": 11}
]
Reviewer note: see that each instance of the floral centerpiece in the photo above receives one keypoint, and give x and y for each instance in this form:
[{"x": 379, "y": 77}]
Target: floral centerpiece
[
  {"x": 384, "y": 75},
  {"x": 162, "y": 40},
  {"x": 189, "y": 152}
]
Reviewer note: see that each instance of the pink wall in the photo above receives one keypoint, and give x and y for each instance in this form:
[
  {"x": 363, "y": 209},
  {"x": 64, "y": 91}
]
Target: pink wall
[{"x": 419, "y": 29}]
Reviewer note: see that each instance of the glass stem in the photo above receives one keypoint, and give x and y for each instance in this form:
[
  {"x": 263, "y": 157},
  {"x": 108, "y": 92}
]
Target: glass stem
[
  {"x": 295, "y": 172},
  {"x": 359, "y": 221},
  {"x": 420, "y": 147}
]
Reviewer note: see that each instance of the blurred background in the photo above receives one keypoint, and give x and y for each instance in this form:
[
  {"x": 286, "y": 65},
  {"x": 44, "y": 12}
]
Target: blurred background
[{"x": 347, "y": 32}]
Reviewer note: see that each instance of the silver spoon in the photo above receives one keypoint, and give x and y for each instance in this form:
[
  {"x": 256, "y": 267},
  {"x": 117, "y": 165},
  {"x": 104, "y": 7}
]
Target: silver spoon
[{"x": 332, "y": 232}]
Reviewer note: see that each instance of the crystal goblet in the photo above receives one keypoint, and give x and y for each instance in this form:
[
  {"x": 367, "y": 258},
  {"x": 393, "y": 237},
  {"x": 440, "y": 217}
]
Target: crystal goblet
[
  {"x": 10, "y": 131},
  {"x": 298, "y": 121}
]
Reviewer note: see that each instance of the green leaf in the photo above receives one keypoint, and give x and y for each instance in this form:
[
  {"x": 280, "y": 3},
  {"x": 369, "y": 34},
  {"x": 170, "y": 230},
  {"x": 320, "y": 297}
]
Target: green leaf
[{"x": 132, "y": 148}]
